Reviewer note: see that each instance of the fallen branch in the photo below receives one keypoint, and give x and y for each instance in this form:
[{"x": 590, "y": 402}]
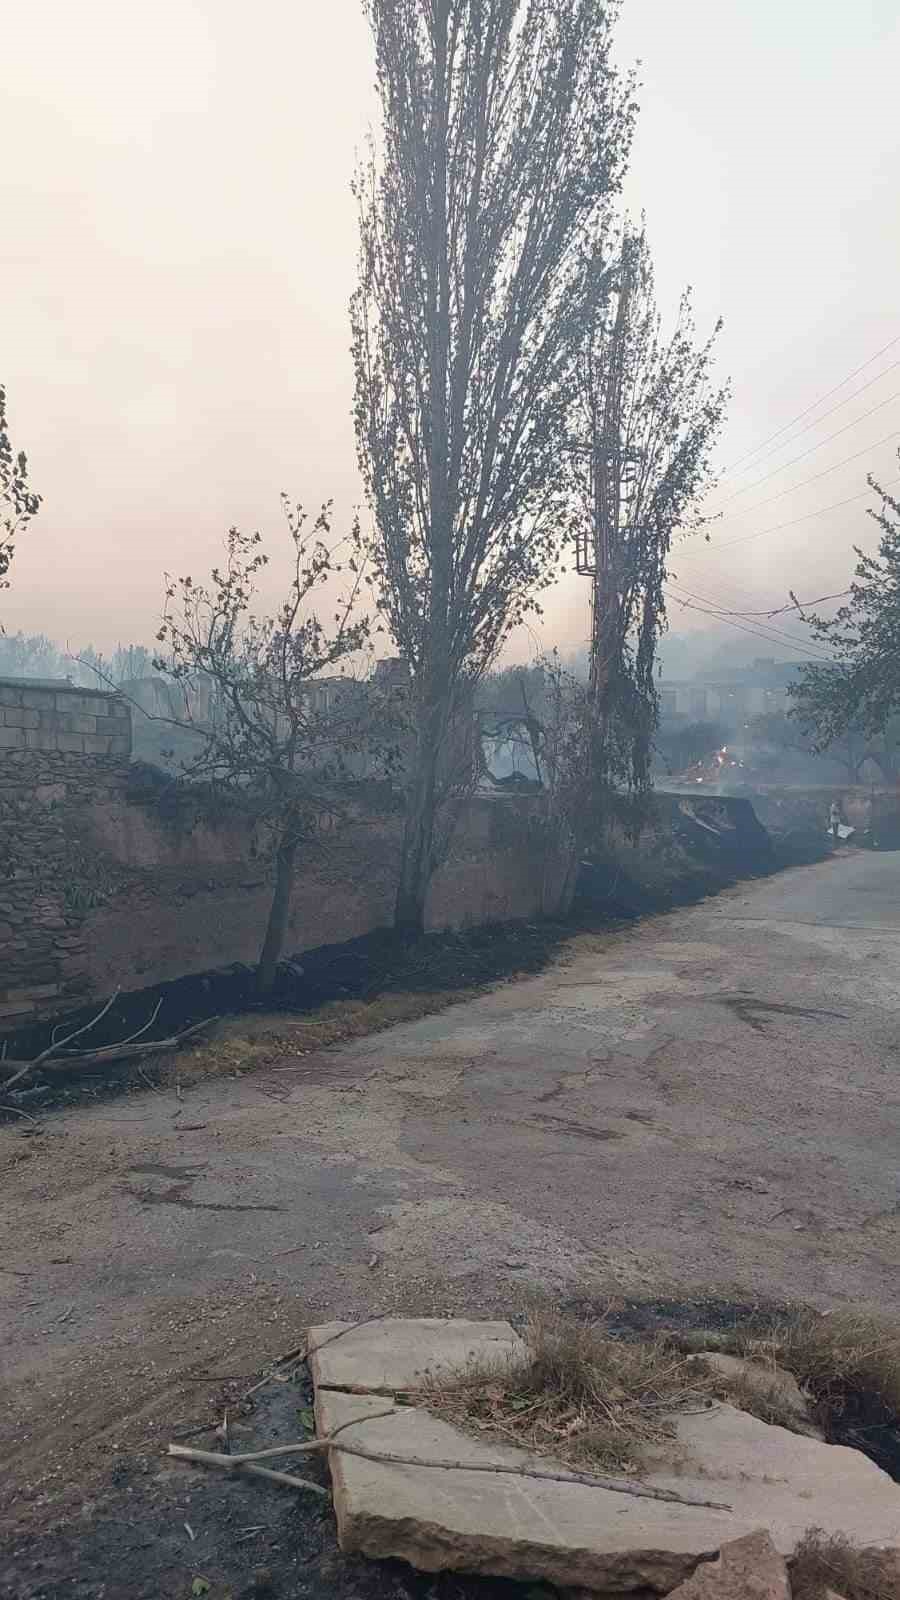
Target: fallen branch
[
  {"x": 107, "y": 1055},
  {"x": 329, "y": 1442},
  {"x": 29, "y": 1066}
]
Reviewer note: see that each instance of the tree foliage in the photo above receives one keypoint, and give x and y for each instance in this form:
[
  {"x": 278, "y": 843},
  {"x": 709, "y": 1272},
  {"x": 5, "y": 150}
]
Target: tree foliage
[
  {"x": 275, "y": 699},
  {"x": 505, "y": 132},
  {"x": 645, "y": 420},
  {"x": 860, "y": 687},
  {"x": 18, "y": 502}
]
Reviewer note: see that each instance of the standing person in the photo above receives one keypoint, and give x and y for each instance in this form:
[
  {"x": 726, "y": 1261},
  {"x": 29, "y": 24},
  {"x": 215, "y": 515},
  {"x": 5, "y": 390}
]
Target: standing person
[{"x": 834, "y": 820}]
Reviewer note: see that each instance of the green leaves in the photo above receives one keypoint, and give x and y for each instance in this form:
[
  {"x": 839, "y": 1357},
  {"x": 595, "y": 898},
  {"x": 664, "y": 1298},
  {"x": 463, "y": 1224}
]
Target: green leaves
[{"x": 199, "y": 1587}]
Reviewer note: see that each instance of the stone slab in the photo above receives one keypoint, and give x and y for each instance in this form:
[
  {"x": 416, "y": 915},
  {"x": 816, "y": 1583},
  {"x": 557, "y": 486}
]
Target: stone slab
[
  {"x": 399, "y": 1353},
  {"x": 745, "y": 1569},
  {"x": 574, "y": 1536},
  {"x": 499, "y": 1525},
  {"x": 769, "y": 1383}
]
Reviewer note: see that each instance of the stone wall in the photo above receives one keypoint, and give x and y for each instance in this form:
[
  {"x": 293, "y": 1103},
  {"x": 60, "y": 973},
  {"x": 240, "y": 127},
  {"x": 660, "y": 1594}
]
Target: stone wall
[
  {"x": 110, "y": 881},
  {"x": 60, "y": 750},
  {"x": 55, "y": 718}
]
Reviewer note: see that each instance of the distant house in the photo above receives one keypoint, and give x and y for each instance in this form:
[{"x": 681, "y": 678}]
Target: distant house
[{"x": 733, "y": 698}]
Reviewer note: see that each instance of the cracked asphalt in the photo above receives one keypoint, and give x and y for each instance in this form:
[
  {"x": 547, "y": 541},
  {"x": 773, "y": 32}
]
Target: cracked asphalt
[{"x": 707, "y": 1101}]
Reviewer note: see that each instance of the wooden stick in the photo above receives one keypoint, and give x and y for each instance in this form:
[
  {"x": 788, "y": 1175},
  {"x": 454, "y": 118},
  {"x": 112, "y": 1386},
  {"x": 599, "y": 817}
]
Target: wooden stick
[
  {"x": 613, "y": 1485},
  {"x": 213, "y": 1458}
]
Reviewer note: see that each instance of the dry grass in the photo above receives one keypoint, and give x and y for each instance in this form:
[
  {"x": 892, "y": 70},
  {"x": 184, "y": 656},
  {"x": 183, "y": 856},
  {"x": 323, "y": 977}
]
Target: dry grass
[
  {"x": 837, "y": 1356},
  {"x": 589, "y": 1398},
  {"x": 828, "y": 1562},
  {"x": 246, "y": 1044},
  {"x": 577, "y": 1394}
]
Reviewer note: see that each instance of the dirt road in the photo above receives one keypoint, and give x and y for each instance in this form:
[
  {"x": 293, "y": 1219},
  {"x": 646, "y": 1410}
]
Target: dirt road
[{"x": 707, "y": 1101}]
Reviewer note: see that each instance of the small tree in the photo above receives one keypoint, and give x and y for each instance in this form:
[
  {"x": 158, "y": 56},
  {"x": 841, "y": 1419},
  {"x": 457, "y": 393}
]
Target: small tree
[
  {"x": 18, "y": 503},
  {"x": 282, "y": 719},
  {"x": 505, "y": 136},
  {"x": 859, "y": 689}
]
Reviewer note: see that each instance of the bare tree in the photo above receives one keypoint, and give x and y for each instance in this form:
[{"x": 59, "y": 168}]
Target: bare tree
[
  {"x": 505, "y": 133},
  {"x": 645, "y": 420},
  {"x": 281, "y": 715},
  {"x": 18, "y": 503}
]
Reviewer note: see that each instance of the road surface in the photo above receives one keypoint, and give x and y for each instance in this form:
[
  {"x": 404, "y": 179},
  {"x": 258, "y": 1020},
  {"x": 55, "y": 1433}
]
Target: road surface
[{"x": 705, "y": 1102}]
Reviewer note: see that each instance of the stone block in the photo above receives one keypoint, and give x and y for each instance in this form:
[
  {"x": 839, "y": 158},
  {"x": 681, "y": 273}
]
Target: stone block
[
  {"x": 745, "y": 1569},
  {"x": 10, "y": 696},
  {"x": 38, "y": 699},
  {"x": 12, "y": 738},
  {"x": 18, "y": 1008},
  {"x": 40, "y": 739},
  {"x": 19, "y": 717},
  {"x": 723, "y": 1477},
  {"x": 120, "y": 745},
  {"x": 94, "y": 745},
  {"x": 72, "y": 742},
  {"x": 399, "y": 1353},
  {"x": 75, "y": 722},
  {"x": 498, "y": 1524},
  {"x": 770, "y": 1384}
]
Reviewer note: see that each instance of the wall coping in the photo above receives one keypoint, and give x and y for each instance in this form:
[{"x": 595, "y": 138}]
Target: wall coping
[{"x": 59, "y": 686}]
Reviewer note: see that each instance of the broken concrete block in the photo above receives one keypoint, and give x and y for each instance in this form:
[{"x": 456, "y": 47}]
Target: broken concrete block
[
  {"x": 745, "y": 1569},
  {"x": 508, "y": 1526},
  {"x": 398, "y": 1353},
  {"x": 781, "y": 1480},
  {"x": 575, "y": 1536},
  {"x": 771, "y": 1384}
]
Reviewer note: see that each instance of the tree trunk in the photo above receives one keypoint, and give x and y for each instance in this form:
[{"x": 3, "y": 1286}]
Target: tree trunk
[
  {"x": 278, "y": 916},
  {"x": 417, "y": 859}
]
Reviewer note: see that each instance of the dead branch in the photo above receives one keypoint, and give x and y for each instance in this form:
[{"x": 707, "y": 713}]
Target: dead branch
[
  {"x": 329, "y": 1442},
  {"x": 29, "y": 1066},
  {"x": 107, "y": 1055},
  {"x": 212, "y": 1458}
]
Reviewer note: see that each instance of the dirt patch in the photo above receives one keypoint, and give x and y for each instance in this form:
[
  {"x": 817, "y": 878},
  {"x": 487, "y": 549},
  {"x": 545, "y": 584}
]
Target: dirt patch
[{"x": 160, "y": 1528}]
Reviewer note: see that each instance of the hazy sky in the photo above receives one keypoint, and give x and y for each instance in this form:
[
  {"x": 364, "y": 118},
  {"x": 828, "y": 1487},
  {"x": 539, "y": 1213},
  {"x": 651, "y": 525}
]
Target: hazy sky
[{"x": 179, "y": 247}]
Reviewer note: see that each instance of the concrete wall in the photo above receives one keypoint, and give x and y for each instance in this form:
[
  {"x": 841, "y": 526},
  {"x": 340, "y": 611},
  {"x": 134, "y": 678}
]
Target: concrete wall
[{"x": 106, "y": 883}]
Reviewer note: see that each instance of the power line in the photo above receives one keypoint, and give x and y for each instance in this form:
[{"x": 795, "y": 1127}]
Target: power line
[
  {"x": 826, "y": 414},
  {"x": 817, "y": 475},
  {"x": 772, "y": 635},
  {"x": 812, "y": 449},
  {"x": 808, "y": 516},
  {"x": 743, "y": 627},
  {"x": 805, "y": 413}
]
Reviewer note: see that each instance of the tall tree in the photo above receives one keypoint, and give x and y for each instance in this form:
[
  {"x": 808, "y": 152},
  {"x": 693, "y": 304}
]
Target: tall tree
[
  {"x": 278, "y": 727},
  {"x": 860, "y": 687},
  {"x": 505, "y": 134},
  {"x": 645, "y": 420},
  {"x": 18, "y": 503}
]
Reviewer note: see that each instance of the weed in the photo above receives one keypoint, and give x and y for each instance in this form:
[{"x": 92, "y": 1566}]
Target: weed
[{"x": 829, "y": 1564}]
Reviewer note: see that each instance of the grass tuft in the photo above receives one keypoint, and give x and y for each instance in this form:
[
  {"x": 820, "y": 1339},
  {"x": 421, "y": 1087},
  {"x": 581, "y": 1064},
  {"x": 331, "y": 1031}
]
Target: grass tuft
[
  {"x": 826, "y": 1564},
  {"x": 577, "y": 1394}
]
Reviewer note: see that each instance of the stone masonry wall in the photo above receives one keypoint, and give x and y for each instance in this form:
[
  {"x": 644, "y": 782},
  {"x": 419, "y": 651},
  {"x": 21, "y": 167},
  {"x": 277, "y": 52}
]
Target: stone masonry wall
[
  {"x": 60, "y": 749},
  {"x": 105, "y": 884}
]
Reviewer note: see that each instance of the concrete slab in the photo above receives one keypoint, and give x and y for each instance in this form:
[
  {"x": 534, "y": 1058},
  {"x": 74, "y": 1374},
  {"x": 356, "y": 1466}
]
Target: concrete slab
[
  {"x": 470, "y": 1521},
  {"x": 398, "y": 1353},
  {"x": 571, "y": 1535}
]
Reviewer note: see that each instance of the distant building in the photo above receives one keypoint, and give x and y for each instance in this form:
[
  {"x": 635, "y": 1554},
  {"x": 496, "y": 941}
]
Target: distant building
[{"x": 732, "y": 698}]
